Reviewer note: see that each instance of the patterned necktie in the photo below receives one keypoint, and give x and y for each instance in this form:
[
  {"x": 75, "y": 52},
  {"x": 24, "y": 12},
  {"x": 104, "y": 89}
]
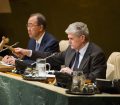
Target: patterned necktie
[
  {"x": 37, "y": 46},
  {"x": 76, "y": 61}
]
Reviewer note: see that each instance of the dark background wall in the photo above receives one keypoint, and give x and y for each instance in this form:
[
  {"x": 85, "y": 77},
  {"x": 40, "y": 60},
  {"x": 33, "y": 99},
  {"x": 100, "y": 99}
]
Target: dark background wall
[{"x": 102, "y": 17}]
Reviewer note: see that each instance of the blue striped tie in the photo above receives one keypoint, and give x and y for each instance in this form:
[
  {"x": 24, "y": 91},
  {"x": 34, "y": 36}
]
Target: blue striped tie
[{"x": 37, "y": 46}]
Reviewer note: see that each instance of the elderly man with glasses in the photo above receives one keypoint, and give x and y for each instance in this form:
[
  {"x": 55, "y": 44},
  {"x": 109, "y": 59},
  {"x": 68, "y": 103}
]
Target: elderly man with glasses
[{"x": 40, "y": 39}]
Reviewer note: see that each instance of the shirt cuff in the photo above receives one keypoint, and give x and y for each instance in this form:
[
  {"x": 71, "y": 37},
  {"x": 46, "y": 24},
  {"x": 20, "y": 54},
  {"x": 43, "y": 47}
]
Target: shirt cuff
[{"x": 30, "y": 53}]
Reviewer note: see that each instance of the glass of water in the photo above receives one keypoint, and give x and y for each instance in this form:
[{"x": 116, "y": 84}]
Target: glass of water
[{"x": 41, "y": 67}]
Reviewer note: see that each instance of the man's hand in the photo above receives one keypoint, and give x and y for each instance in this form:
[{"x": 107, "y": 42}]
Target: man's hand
[
  {"x": 5, "y": 59},
  {"x": 66, "y": 70},
  {"x": 21, "y": 52},
  {"x": 9, "y": 60}
]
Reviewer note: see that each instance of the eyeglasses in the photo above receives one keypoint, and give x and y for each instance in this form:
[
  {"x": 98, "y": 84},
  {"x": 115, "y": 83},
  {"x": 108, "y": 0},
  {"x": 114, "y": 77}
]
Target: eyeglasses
[{"x": 31, "y": 25}]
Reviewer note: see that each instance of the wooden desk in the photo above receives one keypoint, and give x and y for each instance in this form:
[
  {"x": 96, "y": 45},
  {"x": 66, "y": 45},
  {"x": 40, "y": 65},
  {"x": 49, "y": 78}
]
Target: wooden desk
[
  {"x": 4, "y": 68},
  {"x": 16, "y": 91}
]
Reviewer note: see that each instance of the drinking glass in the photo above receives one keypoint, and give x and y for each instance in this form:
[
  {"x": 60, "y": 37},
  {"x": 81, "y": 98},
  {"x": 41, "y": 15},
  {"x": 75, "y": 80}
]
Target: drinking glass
[
  {"x": 78, "y": 81},
  {"x": 41, "y": 67}
]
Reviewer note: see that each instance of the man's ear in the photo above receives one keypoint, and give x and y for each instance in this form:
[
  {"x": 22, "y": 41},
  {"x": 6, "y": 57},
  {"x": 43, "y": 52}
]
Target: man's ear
[
  {"x": 83, "y": 37},
  {"x": 41, "y": 27}
]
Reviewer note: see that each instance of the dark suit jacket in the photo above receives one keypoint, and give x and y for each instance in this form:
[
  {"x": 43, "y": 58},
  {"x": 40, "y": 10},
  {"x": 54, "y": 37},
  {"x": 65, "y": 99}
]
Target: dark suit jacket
[
  {"x": 48, "y": 44},
  {"x": 93, "y": 63}
]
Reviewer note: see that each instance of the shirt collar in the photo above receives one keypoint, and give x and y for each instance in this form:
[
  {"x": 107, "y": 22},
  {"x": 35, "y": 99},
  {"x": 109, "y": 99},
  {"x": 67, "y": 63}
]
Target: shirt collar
[
  {"x": 83, "y": 50},
  {"x": 40, "y": 39}
]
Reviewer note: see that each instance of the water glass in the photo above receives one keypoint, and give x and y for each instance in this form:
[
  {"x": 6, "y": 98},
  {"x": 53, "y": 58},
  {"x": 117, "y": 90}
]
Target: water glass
[{"x": 41, "y": 67}]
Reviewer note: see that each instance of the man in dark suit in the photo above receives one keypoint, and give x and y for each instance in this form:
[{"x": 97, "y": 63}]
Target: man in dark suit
[
  {"x": 40, "y": 40},
  {"x": 48, "y": 44},
  {"x": 80, "y": 55}
]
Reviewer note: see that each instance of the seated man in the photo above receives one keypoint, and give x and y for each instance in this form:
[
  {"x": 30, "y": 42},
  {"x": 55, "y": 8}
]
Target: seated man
[
  {"x": 40, "y": 40},
  {"x": 81, "y": 54}
]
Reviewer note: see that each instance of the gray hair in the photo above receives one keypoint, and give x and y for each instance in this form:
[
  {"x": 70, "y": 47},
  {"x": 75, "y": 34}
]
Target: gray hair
[{"x": 78, "y": 28}]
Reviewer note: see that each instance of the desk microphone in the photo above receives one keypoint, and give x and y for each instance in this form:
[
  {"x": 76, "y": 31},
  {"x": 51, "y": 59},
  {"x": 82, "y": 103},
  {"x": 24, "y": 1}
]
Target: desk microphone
[{"x": 44, "y": 58}]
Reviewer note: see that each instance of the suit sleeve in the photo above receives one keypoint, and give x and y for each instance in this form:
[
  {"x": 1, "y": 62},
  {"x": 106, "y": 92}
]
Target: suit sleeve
[
  {"x": 52, "y": 46},
  {"x": 97, "y": 66},
  {"x": 57, "y": 60}
]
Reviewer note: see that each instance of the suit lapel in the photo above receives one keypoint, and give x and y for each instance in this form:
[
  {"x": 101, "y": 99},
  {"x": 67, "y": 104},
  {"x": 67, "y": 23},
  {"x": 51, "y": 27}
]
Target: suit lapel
[
  {"x": 70, "y": 58},
  {"x": 85, "y": 58},
  {"x": 33, "y": 45},
  {"x": 43, "y": 43}
]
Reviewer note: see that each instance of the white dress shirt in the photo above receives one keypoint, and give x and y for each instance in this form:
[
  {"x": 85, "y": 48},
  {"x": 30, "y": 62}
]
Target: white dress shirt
[
  {"x": 37, "y": 41},
  {"x": 81, "y": 55}
]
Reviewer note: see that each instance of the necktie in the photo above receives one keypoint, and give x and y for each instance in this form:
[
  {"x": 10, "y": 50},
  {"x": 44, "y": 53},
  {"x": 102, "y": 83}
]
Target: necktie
[
  {"x": 37, "y": 46},
  {"x": 76, "y": 61}
]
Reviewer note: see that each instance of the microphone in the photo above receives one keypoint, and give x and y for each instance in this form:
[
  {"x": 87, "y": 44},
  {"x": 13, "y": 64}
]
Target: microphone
[
  {"x": 50, "y": 55},
  {"x": 44, "y": 58}
]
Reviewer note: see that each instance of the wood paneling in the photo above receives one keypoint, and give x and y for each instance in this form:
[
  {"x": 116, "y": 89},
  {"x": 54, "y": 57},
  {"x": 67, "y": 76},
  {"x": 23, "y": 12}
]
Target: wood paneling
[{"x": 102, "y": 17}]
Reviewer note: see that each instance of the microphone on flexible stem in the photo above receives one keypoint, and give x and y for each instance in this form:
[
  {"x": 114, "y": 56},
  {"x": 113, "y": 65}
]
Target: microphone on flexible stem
[{"x": 44, "y": 58}]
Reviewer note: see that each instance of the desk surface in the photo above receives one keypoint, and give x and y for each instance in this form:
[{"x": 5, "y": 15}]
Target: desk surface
[
  {"x": 15, "y": 90},
  {"x": 52, "y": 87},
  {"x": 4, "y": 68},
  {"x": 36, "y": 83}
]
